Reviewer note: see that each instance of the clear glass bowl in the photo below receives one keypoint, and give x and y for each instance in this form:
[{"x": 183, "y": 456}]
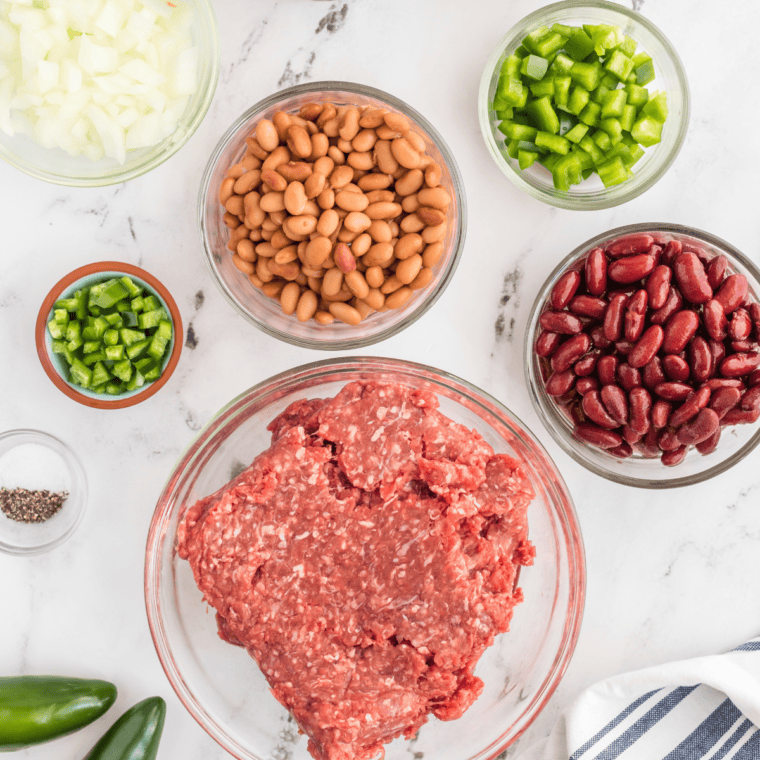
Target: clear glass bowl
[
  {"x": 671, "y": 77},
  {"x": 265, "y": 312},
  {"x": 56, "y": 367},
  {"x": 58, "y": 167},
  {"x": 24, "y": 539},
  {"x": 221, "y": 685},
  {"x": 735, "y": 443}
]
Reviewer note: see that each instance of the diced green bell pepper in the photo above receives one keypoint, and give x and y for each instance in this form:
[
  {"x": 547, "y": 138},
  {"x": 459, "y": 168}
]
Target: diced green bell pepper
[
  {"x": 133, "y": 289},
  {"x": 114, "y": 353},
  {"x": 56, "y": 329},
  {"x": 123, "y": 370},
  {"x": 157, "y": 346},
  {"x": 646, "y": 131},
  {"x": 100, "y": 374},
  {"x": 80, "y": 374}
]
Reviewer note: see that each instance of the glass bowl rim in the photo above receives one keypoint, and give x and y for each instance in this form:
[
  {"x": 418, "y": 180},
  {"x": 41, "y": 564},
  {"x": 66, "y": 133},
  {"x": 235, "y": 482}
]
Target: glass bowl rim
[
  {"x": 71, "y": 279},
  {"x": 343, "y": 344},
  {"x": 609, "y": 197},
  {"x": 561, "y": 505},
  {"x": 155, "y": 159},
  {"x": 547, "y": 413},
  {"x": 76, "y": 469}
]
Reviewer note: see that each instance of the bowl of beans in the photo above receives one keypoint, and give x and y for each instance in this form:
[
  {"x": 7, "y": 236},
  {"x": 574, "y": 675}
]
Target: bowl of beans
[
  {"x": 109, "y": 335},
  {"x": 584, "y": 105},
  {"x": 642, "y": 355},
  {"x": 332, "y": 215}
]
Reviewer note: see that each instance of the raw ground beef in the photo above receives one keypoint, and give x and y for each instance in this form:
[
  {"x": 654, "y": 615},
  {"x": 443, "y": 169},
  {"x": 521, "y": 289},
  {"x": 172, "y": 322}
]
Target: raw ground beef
[{"x": 365, "y": 560}]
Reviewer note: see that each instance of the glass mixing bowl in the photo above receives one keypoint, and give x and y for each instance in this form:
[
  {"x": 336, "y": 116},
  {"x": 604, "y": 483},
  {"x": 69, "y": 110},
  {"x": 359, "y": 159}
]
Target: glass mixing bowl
[
  {"x": 266, "y": 313},
  {"x": 222, "y": 686},
  {"x": 58, "y": 167},
  {"x": 591, "y": 194}
]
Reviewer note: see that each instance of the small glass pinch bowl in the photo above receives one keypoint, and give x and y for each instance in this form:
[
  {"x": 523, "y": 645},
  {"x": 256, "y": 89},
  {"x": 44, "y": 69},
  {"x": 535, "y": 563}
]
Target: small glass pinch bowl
[
  {"x": 66, "y": 474},
  {"x": 222, "y": 687}
]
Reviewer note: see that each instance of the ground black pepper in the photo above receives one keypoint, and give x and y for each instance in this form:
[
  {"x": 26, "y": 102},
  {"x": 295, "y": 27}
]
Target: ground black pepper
[{"x": 26, "y": 506}]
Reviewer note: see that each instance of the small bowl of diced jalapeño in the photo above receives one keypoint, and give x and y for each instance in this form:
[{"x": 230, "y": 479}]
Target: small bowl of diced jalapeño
[
  {"x": 584, "y": 105},
  {"x": 107, "y": 335}
]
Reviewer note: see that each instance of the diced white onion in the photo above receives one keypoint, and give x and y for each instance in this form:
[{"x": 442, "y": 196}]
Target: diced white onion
[{"x": 95, "y": 77}]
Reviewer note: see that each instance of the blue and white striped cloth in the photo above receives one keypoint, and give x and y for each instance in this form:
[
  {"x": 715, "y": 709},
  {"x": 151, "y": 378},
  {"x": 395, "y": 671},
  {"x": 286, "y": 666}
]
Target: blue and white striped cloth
[{"x": 702, "y": 709}]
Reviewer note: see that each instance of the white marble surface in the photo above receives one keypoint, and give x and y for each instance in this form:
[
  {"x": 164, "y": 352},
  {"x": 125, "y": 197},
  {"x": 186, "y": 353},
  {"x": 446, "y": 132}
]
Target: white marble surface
[{"x": 670, "y": 574}]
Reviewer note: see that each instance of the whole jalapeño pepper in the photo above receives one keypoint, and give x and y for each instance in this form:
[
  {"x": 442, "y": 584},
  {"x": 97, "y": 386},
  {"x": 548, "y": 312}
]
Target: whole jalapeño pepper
[
  {"x": 135, "y": 735},
  {"x": 36, "y": 709}
]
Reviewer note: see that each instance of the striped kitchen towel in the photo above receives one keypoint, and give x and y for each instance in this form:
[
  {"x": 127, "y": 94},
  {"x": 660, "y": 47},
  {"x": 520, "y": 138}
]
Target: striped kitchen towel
[{"x": 707, "y": 708}]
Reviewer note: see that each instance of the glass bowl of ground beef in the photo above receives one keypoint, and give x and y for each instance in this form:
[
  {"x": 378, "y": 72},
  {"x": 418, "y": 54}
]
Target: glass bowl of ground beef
[{"x": 396, "y": 552}]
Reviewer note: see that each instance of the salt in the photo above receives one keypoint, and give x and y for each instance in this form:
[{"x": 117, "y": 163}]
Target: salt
[{"x": 34, "y": 467}]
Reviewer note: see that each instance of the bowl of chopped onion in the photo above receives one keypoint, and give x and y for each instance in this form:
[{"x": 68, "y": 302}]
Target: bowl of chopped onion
[{"x": 97, "y": 97}]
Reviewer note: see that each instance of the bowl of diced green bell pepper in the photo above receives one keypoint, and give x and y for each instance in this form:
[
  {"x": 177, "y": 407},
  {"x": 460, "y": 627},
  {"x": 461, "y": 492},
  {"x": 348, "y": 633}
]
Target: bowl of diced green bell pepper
[
  {"x": 109, "y": 335},
  {"x": 584, "y": 104}
]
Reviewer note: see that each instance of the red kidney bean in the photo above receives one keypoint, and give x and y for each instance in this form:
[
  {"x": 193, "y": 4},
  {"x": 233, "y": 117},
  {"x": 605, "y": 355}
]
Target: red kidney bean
[
  {"x": 753, "y": 378},
  {"x": 679, "y": 330},
  {"x": 615, "y": 402},
  {"x": 714, "y": 383},
  {"x": 641, "y": 409},
  {"x": 673, "y": 391},
  {"x": 657, "y": 286},
  {"x": 635, "y": 315},
  {"x": 656, "y": 253},
  {"x": 668, "y": 440},
  {"x": 630, "y": 435},
  {"x": 673, "y": 304},
  {"x": 646, "y": 347},
  {"x": 547, "y": 343},
  {"x": 715, "y": 320},
  {"x": 672, "y": 458},
  {"x": 717, "y": 351},
  {"x": 740, "y": 417},
  {"x": 596, "y": 436},
  {"x": 606, "y": 369},
  {"x": 695, "y": 402},
  {"x": 565, "y": 289},
  {"x": 723, "y": 400},
  {"x": 586, "y": 366},
  {"x": 672, "y": 249},
  {"x": 716, "y": 271},
  {"x": 709, "y": 444},
  {"x": 628, "y": 376},
  {"x": 700, "y": 359},
  {"x": 595, "y": 411},
  {"x": 676, "y": 368},
  {"x": 596, "y": 272},
  {"x": 754, "y": 314},
  {"x": 691, "y": 277},
  {"x": 570, "y": 351},
  {"x": 630, "y": 244},
  {"x": 742, "y": 346},
  {"x": 631, "y": 268},
  {"x": 622, "y": 452},
  {"x": 588, "y": 306},
  {"x": 623, "y": 347},
  {"x": 738, "y": 365},
  {"x": 597, "y": 336},
  {"x": 700, "y": 428},
  {"x": 560, "y": 383},
  {"x": 560, "y": 322},
  {"x": 740, "y": 326},
  {"x": 732, "y": 292},
  {"x": 585, "y": 384},
  {"x": 613, "y": 317},
  {"x": 653, "y": 373},
  {"x": 661, "y": 413},
  {"x": 750, "y": 400}
]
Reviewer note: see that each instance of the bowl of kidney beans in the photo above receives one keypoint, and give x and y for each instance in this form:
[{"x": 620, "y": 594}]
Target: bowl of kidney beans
[{"x": 642, "y": 355}]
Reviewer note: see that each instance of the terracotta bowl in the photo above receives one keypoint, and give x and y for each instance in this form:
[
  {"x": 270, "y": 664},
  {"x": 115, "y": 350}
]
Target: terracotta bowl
[{"x": 55, "y": 366}]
